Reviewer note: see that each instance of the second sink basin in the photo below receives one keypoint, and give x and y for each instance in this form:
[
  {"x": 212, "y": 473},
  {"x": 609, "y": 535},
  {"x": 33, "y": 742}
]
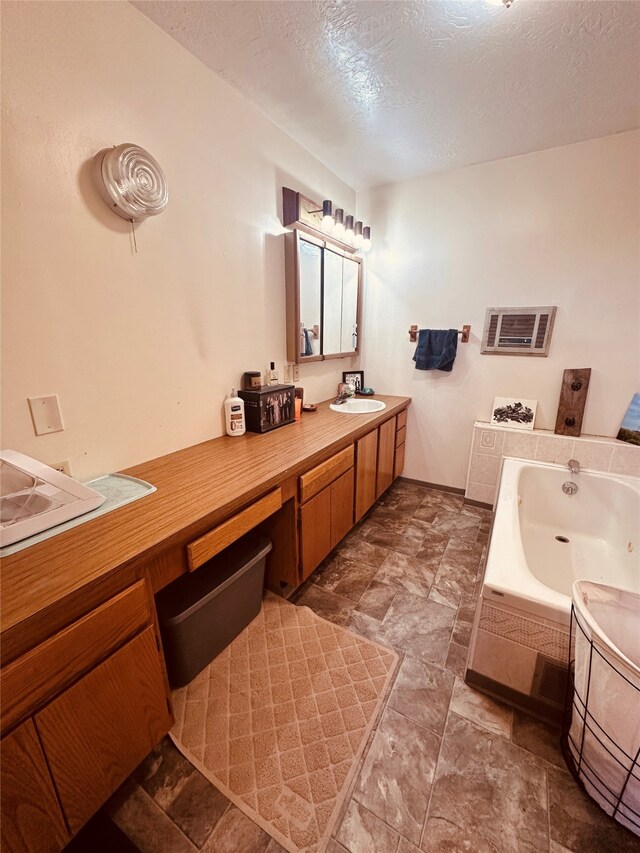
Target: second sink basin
[{"x": 356, "y": 406}]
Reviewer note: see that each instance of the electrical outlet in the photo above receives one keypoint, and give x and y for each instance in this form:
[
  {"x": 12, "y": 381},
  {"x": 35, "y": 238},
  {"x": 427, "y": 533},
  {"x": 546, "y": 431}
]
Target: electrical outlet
[
  {"x": 295, "y": 375},
  {"x": 62, "y": 467}
]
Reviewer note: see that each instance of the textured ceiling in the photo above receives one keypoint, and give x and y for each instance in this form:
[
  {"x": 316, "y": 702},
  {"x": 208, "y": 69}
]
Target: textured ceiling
[{"x": 382, "y": 91}]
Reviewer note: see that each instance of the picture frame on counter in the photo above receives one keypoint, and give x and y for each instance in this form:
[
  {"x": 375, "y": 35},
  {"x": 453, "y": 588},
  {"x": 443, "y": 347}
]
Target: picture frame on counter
[{"x": 355, "y": 378}]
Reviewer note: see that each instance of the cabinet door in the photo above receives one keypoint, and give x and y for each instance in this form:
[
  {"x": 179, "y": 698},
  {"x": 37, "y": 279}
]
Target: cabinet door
[
  {"x": 315, "y": 531},
  {"x": 31, "y": 816},
  {"x": 341, "y": 507},
  {"x": 366, "y": 459},
  {"x": 386, "y": 450},
  {"x": 98, "y": 731}
]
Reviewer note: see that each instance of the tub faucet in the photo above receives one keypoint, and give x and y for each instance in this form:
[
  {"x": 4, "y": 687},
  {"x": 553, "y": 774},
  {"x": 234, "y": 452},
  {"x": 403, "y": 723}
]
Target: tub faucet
[{"x": 574, "y": 466}]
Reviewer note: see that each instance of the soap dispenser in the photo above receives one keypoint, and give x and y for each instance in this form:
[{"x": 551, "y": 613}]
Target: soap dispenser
[{"x": 234, "y": 414}]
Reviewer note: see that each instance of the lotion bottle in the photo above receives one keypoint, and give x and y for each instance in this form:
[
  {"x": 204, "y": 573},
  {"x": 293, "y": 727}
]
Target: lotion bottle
[{"x": 234, "y": 414}]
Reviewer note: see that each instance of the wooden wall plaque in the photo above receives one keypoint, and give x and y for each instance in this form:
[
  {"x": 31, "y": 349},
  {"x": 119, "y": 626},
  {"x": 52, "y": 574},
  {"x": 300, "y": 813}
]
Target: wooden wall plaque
[{"x": 573, "y": 398}]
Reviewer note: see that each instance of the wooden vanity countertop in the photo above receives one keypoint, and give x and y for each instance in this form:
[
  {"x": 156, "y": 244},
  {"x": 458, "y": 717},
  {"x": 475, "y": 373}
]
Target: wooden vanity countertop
[{"x": 196, "y": 487}]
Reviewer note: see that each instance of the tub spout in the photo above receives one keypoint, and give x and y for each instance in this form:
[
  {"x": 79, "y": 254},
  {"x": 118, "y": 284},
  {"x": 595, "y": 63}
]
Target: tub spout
[{"x": 574, "y": 466}]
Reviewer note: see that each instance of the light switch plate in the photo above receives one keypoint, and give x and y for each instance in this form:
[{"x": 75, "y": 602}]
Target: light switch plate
[{"x": 46, "y": 414}]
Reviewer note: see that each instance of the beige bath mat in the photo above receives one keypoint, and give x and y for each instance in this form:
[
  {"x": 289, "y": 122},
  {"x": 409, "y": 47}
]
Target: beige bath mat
[{"x": 279, "y": 720}]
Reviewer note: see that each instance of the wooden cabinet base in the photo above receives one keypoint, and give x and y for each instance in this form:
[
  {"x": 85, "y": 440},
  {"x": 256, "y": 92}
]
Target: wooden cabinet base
[
  {"x": 31, "y": 818},
  {"x": 341, "y": 507},
  {"x": 366, "y": 467},
  {"x": 315, "y": 526},
  {"x": 98, "y": 731},
  {"x": 386, "y": 450}
]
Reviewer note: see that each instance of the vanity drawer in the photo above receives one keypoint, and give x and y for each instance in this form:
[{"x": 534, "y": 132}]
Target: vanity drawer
[
  {"x": 229, "y": 531},
  {"x": 318, "y": 478},
  {"x": 401, "y": 436},
  {"x": 402, "y": 419},
  {"x": 44, "y": 671}
]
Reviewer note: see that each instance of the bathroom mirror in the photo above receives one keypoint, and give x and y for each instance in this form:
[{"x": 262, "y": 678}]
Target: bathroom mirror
[{"x": 323, "y": 298}]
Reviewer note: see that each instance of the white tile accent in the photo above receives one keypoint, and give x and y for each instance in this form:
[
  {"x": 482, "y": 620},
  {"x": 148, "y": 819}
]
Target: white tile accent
[
  {"x": 520, "y": 444},
  {"x": 484, "y": 494},
  {"x": 488, "y": 442},
  {"x": 554, "y": 448},
  {"x": 484, "y": 470},
  {"x": 593, "y": 455},
  {"x": 593, "y": 452},
  {"x": 625, "y": 460},
  {"x": 487, "y": 439}
]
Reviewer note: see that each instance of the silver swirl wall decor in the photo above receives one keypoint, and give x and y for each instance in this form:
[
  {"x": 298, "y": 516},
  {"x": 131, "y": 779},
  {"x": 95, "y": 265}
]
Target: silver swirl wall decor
[{"x": 131, "y": 182}]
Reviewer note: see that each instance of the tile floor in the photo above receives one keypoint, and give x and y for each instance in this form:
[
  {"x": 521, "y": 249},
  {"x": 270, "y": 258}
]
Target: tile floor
[{"x": 447, "y": 768}]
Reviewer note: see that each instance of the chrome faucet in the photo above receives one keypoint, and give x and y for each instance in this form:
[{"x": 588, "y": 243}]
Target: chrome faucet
[{"x": 574, "y": 466}]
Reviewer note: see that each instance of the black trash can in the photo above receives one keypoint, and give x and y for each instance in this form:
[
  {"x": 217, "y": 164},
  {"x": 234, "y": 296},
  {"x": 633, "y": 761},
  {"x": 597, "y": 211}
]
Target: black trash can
[{"x": 202, "y": 612}]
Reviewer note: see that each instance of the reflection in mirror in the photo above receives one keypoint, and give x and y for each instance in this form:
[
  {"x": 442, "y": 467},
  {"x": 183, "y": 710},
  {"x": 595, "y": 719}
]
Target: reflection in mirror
[
  {"x": 332, "y": 315},
  {"x": 310, "y": 267},
  {"x": 349, "y": 329}
]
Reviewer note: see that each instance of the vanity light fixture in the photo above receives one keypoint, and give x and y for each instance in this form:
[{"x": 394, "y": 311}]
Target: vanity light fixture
[
  {"x": 327, "y": 221},
  {"x": 348, "y": 229}
]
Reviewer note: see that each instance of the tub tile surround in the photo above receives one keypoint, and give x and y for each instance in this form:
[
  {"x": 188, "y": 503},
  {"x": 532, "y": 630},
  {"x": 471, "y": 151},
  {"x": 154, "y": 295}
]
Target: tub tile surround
[
  {"x": 447, "y": 768},
  {"x": 491, "y": 443}
]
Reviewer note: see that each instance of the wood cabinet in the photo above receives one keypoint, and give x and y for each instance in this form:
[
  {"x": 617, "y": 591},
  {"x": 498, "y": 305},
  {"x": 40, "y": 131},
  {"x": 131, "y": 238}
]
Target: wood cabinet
[
  {"x": 32, "y": 821},
  {"x": 94, "y": 696},
  {"x": 386, "y": 454},
  {"x": 97, "y": 732},
  {"x": 375, "y": 460},
  {"x": 326, "y": 514},
  {"x": 366, "y": 470}
]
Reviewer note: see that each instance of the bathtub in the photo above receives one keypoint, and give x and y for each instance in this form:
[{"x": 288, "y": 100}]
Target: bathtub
[{"x": 542, "y": 540}]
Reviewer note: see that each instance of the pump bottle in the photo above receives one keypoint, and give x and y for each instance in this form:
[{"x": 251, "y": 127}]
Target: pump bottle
[{"x": 234, "y": 414}]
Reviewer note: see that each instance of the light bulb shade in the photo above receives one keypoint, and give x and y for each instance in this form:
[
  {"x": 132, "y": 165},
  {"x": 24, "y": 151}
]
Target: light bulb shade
[
  {"x": 366, "y": 239},
  {"x": 357, "y": 237},
  {"x": 327, "y": 215},
  {"x": 338, "y": 228},
  {"x": 348, "y": 229}
]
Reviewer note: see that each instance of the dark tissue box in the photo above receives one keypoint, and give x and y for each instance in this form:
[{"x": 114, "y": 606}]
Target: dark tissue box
[{"x": 269, "y": 407}]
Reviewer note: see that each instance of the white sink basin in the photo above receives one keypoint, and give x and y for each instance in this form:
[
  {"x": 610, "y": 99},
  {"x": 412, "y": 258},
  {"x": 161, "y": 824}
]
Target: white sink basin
[{"x": 356, "y": 406}]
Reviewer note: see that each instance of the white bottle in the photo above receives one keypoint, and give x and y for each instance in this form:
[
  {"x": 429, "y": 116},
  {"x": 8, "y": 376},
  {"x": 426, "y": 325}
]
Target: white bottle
[{"x": 234, "y": 414}]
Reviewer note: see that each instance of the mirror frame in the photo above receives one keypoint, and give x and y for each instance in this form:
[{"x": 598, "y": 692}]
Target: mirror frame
[{"x": 292, "y": 279}]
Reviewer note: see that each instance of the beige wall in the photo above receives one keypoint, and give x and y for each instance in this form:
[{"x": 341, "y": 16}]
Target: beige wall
[
  {"x": 556, "y": 227},
  {"x": 140, "y": 347}
]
